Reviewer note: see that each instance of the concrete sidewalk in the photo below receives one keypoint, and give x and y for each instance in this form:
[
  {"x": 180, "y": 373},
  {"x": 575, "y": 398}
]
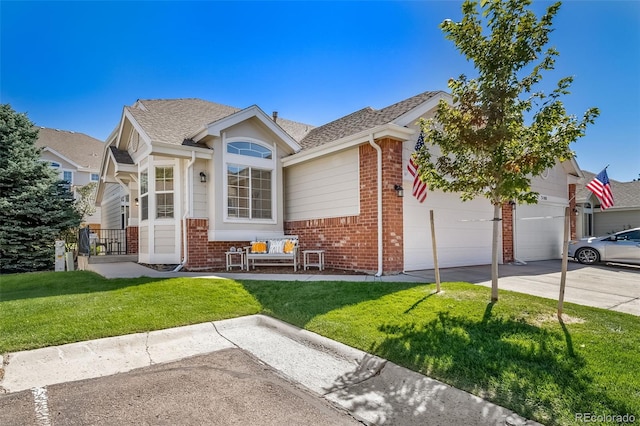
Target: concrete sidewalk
[{"x": 372, "y": 389}]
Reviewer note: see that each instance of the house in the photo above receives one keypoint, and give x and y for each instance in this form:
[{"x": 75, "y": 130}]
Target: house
[
  {"x": 76, "y": 157},
  {"x": 625, "y": 213},
  {"x": 204, "y": 177}
]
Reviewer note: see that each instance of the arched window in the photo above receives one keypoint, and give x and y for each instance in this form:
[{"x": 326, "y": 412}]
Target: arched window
[
  {"x": 250, "y": 149},
  {"x": 250, "y": 171}
]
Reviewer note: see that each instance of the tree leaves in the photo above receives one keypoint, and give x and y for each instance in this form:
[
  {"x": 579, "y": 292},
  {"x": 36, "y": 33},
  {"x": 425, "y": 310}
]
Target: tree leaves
[
  {"x": 500, "y": 131},
  {"x": 487, "y": 147}
]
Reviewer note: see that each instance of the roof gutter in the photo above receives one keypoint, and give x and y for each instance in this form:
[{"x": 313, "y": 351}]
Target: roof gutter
[{"x": 379, "y": 173}]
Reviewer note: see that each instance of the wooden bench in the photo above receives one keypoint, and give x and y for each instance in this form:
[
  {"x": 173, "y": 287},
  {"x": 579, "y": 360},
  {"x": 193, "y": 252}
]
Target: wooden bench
[{"x": 279, "y": 251}]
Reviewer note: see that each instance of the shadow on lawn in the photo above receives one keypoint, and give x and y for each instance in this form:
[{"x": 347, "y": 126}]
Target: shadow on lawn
[
  {"x": 530, "y": 370},
  {"x": 35, "y": 285},
  {"x": 298, "y": 302}
]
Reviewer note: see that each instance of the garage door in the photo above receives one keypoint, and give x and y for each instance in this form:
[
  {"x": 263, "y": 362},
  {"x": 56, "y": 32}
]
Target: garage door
[
  {"x": 538, "y": 231},
  {"x": 462, "y": 239}
]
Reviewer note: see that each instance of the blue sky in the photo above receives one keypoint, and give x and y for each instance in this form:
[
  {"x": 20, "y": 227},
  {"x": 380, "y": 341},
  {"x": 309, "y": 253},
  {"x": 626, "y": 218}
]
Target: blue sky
[{"x": 74, "y": 65}]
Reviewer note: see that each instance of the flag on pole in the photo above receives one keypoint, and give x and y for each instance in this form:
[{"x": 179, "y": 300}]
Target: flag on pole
[
  {"x": 419, "y": 187},
  {"x": 601, "y": 187}
]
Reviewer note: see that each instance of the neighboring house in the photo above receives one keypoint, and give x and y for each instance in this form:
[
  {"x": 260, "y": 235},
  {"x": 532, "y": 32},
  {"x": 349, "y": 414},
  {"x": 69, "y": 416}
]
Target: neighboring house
[
  {"x": 76, "y": 157},
  {"x": 205, "y": 177},
  {"x": 625, "y": 213}
]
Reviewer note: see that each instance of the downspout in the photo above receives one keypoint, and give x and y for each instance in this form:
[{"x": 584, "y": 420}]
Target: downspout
[
  {"x": 187, "y": 211},
  {"x": 379, "y": 153}
]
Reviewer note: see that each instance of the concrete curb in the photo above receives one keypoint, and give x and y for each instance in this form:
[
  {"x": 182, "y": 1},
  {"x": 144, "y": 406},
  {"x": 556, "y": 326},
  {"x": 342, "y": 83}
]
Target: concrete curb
[{"x": 370, "y": 388}]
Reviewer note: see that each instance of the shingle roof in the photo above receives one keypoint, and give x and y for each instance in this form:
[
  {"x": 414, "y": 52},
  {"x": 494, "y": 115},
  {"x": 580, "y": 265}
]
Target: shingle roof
[
  {"x": 361, "y": 120},
  {"x": 173, "y": 120},
  {"x": 77, "y": 147},
  {"x": 625, "y": 194}
]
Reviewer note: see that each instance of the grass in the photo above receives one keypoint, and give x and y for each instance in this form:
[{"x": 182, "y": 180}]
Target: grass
[
  {"x": 44, "y": 309},
  {"x": 515, "y": 352}
]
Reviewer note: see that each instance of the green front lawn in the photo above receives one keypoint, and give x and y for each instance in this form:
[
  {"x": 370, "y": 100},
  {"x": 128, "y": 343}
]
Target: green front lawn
[{"x": 514, "y": 353}]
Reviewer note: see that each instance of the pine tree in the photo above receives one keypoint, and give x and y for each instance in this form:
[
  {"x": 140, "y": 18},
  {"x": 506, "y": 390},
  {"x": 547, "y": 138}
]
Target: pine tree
[{"x": 36, "y": 207}]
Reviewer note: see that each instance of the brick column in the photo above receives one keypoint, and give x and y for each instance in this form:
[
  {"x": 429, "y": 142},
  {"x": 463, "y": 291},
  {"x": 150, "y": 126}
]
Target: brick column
[
  {"x": 132, "y": 240},
  {"x": 392, "y": 207},
  {"x": 197, "y": 239},
  {"x": 507, "y": 233}
]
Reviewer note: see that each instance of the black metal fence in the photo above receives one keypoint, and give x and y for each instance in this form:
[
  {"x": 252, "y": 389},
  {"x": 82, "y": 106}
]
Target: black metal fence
[{"x": 99, "y": 242}]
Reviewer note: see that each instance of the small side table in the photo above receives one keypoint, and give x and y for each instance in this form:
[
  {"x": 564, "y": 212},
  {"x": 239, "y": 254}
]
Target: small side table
[
  {"x": 235, "y": 258},
  {"x": 307, "y": 259}
]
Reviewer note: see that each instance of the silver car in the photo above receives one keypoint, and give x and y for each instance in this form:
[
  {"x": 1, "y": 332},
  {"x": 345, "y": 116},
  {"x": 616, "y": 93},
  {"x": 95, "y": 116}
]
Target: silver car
[{"x": 623, "y": 247}]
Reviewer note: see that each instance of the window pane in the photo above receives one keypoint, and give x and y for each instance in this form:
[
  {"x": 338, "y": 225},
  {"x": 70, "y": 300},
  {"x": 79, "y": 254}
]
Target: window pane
[
  {"x": 164, "y": 178},
  {"x": 144, "y": 207},
  {"x": 164, "y": 205},
  {"x": 249, "y": 149},
  {"x": 261, "y": 194},
  {"x": 237, "y": 191},
  {"x": 144, "y": 182},
  {"x": 95, "y": 177},
  {"x": 248, "y": 192}
]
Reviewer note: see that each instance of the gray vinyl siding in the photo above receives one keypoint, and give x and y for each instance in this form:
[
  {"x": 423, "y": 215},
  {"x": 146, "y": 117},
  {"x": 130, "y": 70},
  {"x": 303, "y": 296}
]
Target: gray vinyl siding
[
  {"x": 554, "y": 183},
  {"x": 325, "y": 187},
  {"x": 611, "y": 221},
  {"x": 200, "y": 207},
  {"x": 111, "y": 211},
  {"x": 144, "y": 239},
  {"x": 164, "y": 239}
]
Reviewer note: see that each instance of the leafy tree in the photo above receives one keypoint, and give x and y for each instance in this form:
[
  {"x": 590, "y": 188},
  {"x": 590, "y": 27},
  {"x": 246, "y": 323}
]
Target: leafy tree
[
  {"x": 35, "y": 205},
  {"x": 86, "y": 197},
  {"x": 500, "y": 131}
]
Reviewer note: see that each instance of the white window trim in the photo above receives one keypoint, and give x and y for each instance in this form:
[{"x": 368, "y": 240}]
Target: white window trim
[
  {"x": 172, "y": 166},
  {"x": 141, "y": 194},
  {"x": 63, "y": 171},
  {"x": 260, "y": 163}
]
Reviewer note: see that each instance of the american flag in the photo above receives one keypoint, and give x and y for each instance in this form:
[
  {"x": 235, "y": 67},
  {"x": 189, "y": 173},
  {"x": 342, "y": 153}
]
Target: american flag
[
  {"x": 602, "y": 189},
  {"x": 419, "y": 187}
]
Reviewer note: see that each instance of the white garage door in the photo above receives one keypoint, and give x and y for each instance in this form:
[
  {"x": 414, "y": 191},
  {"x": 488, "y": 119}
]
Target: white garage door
[
  {"x": 538, "y": 231},
  {"x": 462, "y": 239}
]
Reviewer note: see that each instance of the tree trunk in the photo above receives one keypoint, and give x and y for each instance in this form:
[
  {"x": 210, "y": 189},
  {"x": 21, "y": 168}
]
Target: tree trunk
[{"x": 494, "y": 252}]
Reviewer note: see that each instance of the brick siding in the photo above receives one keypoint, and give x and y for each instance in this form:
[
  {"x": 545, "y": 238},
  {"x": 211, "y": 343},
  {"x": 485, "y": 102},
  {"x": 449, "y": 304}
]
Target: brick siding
[
  {"x": 507, "y": 233},
  {"x": 350, "y": 242},
  {"x": 132, "y": 240}
]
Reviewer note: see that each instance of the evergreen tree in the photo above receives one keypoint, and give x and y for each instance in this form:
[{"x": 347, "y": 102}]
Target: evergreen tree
[{"x": 36, "y": 206}]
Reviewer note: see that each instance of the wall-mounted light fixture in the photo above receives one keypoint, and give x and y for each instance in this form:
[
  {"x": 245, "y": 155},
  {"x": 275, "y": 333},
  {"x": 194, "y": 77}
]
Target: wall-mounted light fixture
[
  {"x": 399, "y": 190},
  {"x": 137, "y": 203},
  {"x": 203, "y": 177}
]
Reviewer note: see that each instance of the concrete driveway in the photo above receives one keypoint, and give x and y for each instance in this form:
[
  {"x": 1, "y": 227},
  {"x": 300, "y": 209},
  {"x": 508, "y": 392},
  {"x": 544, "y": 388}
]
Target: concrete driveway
[{"x": 611, "y": 286}]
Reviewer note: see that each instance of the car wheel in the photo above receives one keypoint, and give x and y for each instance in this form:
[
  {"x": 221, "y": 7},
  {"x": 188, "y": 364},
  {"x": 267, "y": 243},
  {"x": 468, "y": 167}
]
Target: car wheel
[{"x": 588, "y": 256}]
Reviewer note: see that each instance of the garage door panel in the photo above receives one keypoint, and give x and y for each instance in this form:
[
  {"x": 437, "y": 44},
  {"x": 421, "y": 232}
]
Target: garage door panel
[
  {"x": 538, "y": 231},
  {"x": 462, "y": 239}
]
